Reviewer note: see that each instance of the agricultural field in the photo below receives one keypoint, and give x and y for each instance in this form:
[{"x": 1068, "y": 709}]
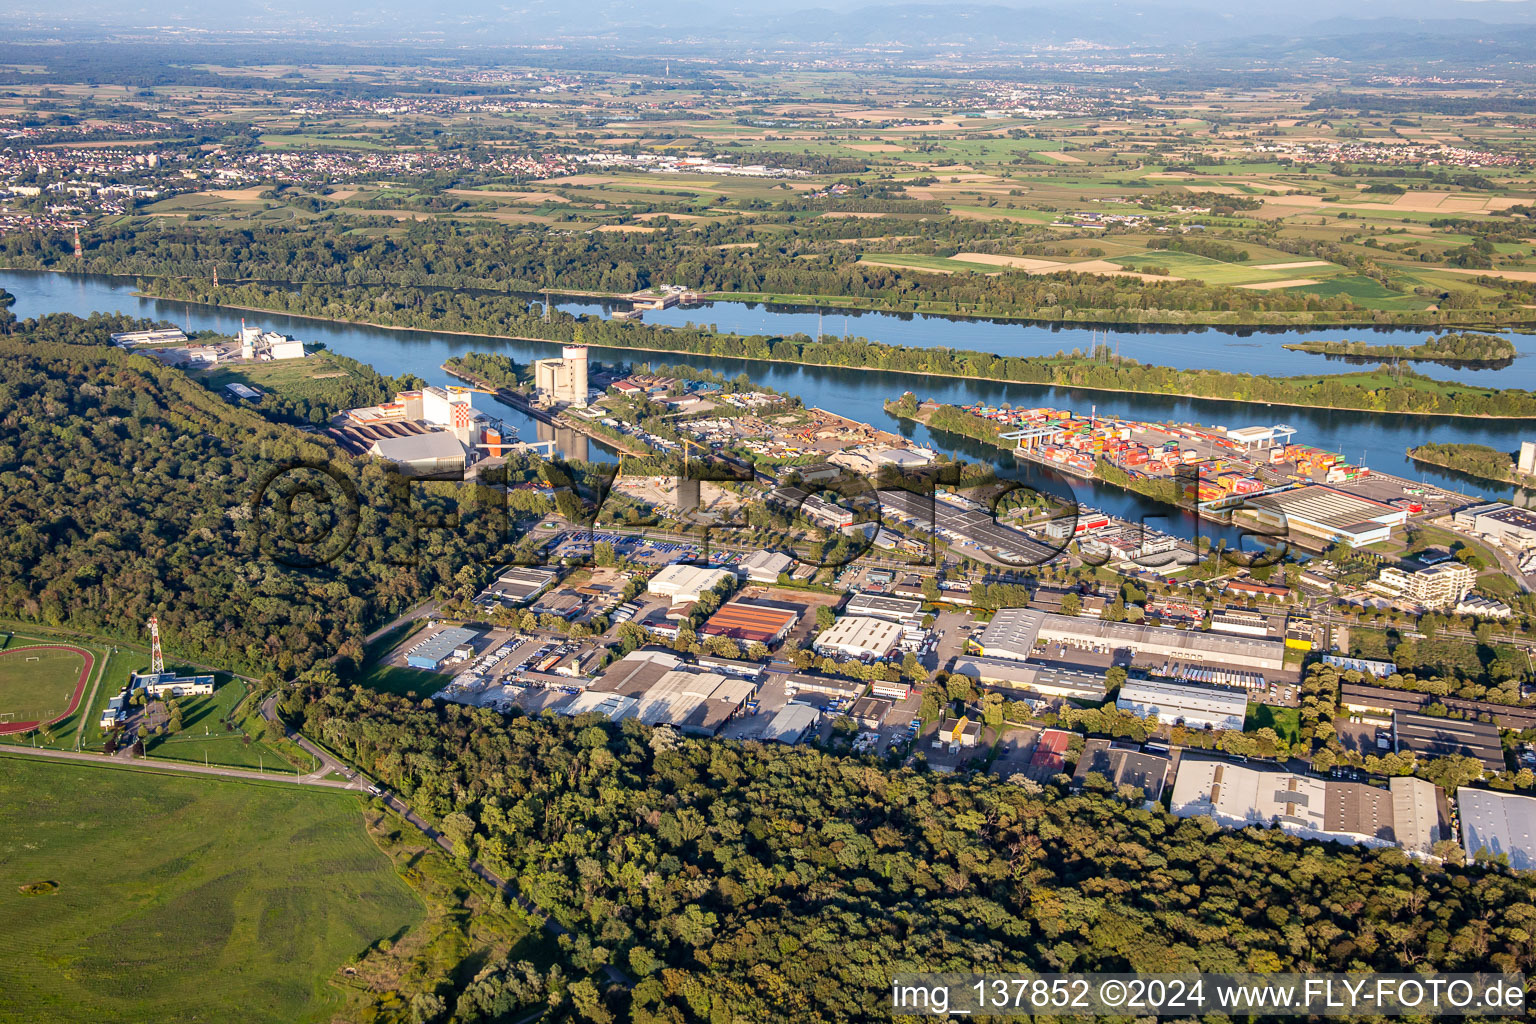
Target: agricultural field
[
  {"x": 138, "y": 904},
  {"x": 936, "y": 182}
]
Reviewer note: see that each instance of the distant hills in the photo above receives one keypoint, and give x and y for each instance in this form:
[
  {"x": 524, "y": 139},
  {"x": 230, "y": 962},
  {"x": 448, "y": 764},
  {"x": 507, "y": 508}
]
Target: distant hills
[{"x": 1487, "y": 29}]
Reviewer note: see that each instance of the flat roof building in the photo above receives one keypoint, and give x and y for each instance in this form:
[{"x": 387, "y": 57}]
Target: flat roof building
[
  {"x": 1014, "y": 632},
  {"x": 885, "y": 606},
  {"x": 169, "y": 684},
  {"x": 749, "y": 621},
  {"x": 1238, "y": 795},
  {"x": 1499, "y": 823},
  {"x": 435, "y": 453},
  {"x": 686, "y": 583},
  {"x": 1420, "y": 814},
  {"x": 668, "y": 692},
  {"x": 1428, "y": 736},
  {"x": 1501, "y": 523},
  {"x": 765, "y": 566},
  {"x": 439, "y": 647},
  {"x": 870, "y": 712},
  {"x": 792, "y": 724},
  {"x": 1031, "y": 678},
  {"x": 517, "y": 585},
  {"x": 1384, "y": 700},
  {"x": 1200, "y": 706},
  {"x": 1327, "y": 512},
  {"x": 832, "y": 686},
  {"x": 1438, "y": 586},
  {"x": 1123, "y": 766},
  {"x": 856, "y": 636}
]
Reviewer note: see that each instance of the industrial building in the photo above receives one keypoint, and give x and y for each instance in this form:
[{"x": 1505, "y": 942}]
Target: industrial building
[
  {"x": 1122, "y": 766},
  {"x": 390, "y": 431},
  {"x": 1325, "y": 512},
  {"x": 1238, "y": 795},
  {"x": 830, "y": 686},
  {"x": 668, "y": 692},
  {"x": 826, "y": 514},
  {"x": 685, "y": 584},
  {"x": 750, "y": 622},
  {"x": 870, "y": 712},
  {"x": 156, "y": 336},
  {"x": 169, "y": 684},
  {"x": 1014, "y": 632},
  {"x": 1428, "y": 736},
  {"x": 453, "y": 642},
  {"x": 434, "y": 454},
  {"x": 906, "y": 610},
  {"x": 1199, "y": 706},
  {"x": 1499, "y": 823},
  {"x": 1382, "y": 701},
  {"x": 1499, "y": 522},
  {"x": 563, "y": 380},
  {"x": 1421, "y": 815},
  {"x": 765, "y": 566},
  {"x": 516, "y": 585},
  {"x": 1380, "y": 669},
  {"x": 857, "y": 636},
  {"x": 1438, "y": 586},
  {"x": 1031, "y": 679},
  {"x": 257, "y": 345},
  {"x": 793, "y": 724}
]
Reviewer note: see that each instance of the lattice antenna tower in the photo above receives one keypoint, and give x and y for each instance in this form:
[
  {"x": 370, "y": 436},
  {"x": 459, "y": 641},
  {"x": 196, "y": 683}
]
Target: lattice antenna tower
[{"x": 156, "y": 658}]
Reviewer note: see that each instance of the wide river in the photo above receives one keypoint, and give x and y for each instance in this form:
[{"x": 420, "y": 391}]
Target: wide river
[{"x": 1376, "y": 440}]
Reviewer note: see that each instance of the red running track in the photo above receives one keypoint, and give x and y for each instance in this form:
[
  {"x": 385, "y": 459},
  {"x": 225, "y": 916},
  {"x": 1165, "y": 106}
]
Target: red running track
[{"x": 74, "y": 702}]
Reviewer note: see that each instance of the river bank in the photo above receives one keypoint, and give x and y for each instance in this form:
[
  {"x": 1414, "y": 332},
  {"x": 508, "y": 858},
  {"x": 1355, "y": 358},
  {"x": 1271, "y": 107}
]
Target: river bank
[
  {"x": 1379, "y": 440},
  {"x": 1068, "y": 372},
  {"x": 614, "y": 439},
  {"x": 1474, "y": 460}
]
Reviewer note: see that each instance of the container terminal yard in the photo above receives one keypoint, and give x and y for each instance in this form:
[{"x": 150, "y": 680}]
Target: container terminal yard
[{"x": 1264, "y": 472}]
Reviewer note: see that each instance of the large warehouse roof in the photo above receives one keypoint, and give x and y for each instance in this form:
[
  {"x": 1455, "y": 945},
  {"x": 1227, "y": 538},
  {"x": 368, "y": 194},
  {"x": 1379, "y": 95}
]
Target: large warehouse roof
[
  {"x": 1428, "y": 736},
  {"x": 1049, "y": 680},
  {"x": 746, "y": 620},
  {"x": 1013, "y": 632},
  {"x": 859, "y": 636},
  {"x": 1499, "y": 823},
  {"x": 1171, "y": 702},
  {"x": 686, "y": 582}
]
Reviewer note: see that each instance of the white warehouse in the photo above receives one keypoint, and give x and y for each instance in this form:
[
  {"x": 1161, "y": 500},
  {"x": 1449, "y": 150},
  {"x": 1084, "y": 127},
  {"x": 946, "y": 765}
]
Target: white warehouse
[{"x": 1199, "y": 706}]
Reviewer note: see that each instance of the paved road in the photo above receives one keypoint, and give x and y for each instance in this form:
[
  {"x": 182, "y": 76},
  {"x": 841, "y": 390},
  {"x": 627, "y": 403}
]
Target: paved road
[
  {"x": 421, "y": 611},
  {"x": 176, "y": 766},
  {"x": 328, "y": 764}
]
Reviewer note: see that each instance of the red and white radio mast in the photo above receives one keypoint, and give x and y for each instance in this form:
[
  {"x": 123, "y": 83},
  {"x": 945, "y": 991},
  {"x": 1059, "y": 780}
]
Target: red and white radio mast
[{"x": 156, "y": 659}]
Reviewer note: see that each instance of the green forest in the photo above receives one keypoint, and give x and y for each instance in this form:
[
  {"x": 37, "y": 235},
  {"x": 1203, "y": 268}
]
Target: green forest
[
  {"x": 1477, "y": 460},
  {"x": 1465, "y": 347},
  {"x": 798, "y": 254},
  {"x": 126, "y": 490},
  {"x": 739, "y": 883},
  {"x": 505, "y": 316}
]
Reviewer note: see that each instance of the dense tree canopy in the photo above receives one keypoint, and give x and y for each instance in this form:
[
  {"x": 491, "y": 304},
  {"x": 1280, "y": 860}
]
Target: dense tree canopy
[{"x": 768, "y": 883}]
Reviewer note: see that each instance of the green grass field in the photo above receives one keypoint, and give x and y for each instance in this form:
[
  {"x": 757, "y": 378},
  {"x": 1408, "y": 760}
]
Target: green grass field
[
  {"x": 37, "y": 686},
  {"x": 204, "y": 738},
  {"x": 159, "y": 916},
  {"x": 1285, "y": 721}
]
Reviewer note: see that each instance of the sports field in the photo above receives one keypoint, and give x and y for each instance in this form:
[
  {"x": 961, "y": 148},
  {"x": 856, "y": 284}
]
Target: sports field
[
  {"x": 40, "y": 684},
  {"x": 160, "y": 916}
]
